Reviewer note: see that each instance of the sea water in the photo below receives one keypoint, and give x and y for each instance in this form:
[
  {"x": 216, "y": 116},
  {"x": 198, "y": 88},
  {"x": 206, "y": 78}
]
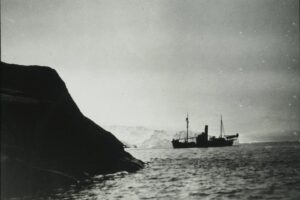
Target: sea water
[{"x": 246, "y": 171}]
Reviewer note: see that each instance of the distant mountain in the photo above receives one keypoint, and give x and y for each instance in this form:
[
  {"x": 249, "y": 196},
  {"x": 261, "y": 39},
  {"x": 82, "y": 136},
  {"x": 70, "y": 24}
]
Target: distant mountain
[
  {"x": 159, "y": 139},
  {"x": 130, "y": 134},
  {"x": 276, "y": 136},
  {"x": 145, "y": 137}
]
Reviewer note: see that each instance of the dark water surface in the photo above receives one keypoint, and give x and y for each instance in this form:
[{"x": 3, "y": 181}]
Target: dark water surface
[{"x": 247, "y": 171}]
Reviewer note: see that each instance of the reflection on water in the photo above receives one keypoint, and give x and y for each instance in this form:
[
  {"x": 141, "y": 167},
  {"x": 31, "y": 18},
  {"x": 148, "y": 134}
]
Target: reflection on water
[{"x": 249, "y": 171}]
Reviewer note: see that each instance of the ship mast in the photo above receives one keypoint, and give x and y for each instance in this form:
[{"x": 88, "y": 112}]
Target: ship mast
[
  {"x": 221, "y": 128},
  {"x": 187, "y": 127}
]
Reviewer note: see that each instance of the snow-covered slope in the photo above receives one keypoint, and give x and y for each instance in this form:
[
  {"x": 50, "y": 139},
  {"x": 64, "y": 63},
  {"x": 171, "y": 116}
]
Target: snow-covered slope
[
  {"x": 129, "y": 134},
  {"x": 145, "y": 137},
  {"x": 159, "y": 139}
]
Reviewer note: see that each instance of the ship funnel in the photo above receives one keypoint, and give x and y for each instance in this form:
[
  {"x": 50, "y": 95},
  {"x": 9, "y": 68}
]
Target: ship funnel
[{"x": 206, "y": 133}]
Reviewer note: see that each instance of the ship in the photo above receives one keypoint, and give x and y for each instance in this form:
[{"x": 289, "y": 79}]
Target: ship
[{"x": 204, "y": 140}]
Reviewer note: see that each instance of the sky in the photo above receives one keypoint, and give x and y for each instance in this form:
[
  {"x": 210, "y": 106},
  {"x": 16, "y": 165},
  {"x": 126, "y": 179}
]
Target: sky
[{"x": 149, "y": 63}]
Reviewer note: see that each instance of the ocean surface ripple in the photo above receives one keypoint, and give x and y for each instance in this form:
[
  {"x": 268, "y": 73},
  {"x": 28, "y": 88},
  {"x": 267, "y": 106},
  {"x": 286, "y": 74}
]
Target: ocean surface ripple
[{"x": 247, "y": 171}]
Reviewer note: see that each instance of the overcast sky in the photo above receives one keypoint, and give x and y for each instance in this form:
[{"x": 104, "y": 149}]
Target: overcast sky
[{"x": 148, "y": 63}]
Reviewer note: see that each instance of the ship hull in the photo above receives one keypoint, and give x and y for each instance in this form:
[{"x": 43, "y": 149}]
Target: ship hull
[
  {"x": 177, "y": 144},
  {"x": 214, "y": 143}
]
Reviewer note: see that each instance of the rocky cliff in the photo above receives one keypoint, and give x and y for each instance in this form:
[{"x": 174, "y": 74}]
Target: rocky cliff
[{"x": 44, "y": 134}]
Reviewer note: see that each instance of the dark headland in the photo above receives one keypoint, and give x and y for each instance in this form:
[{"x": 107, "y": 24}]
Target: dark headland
[{"x": 45, "y": 139}]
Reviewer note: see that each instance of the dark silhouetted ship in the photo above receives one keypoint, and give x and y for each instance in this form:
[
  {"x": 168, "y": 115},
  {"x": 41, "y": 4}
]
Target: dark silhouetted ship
[{"x": 203, "y": 140}]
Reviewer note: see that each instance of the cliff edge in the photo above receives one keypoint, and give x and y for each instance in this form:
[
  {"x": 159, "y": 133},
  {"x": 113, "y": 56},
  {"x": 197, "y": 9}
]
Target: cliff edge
[{"x": 45, "y": 136}]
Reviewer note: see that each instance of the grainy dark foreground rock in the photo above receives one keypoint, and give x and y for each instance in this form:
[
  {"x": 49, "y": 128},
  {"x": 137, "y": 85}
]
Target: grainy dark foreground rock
[{"x": 45, "y": 139}]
